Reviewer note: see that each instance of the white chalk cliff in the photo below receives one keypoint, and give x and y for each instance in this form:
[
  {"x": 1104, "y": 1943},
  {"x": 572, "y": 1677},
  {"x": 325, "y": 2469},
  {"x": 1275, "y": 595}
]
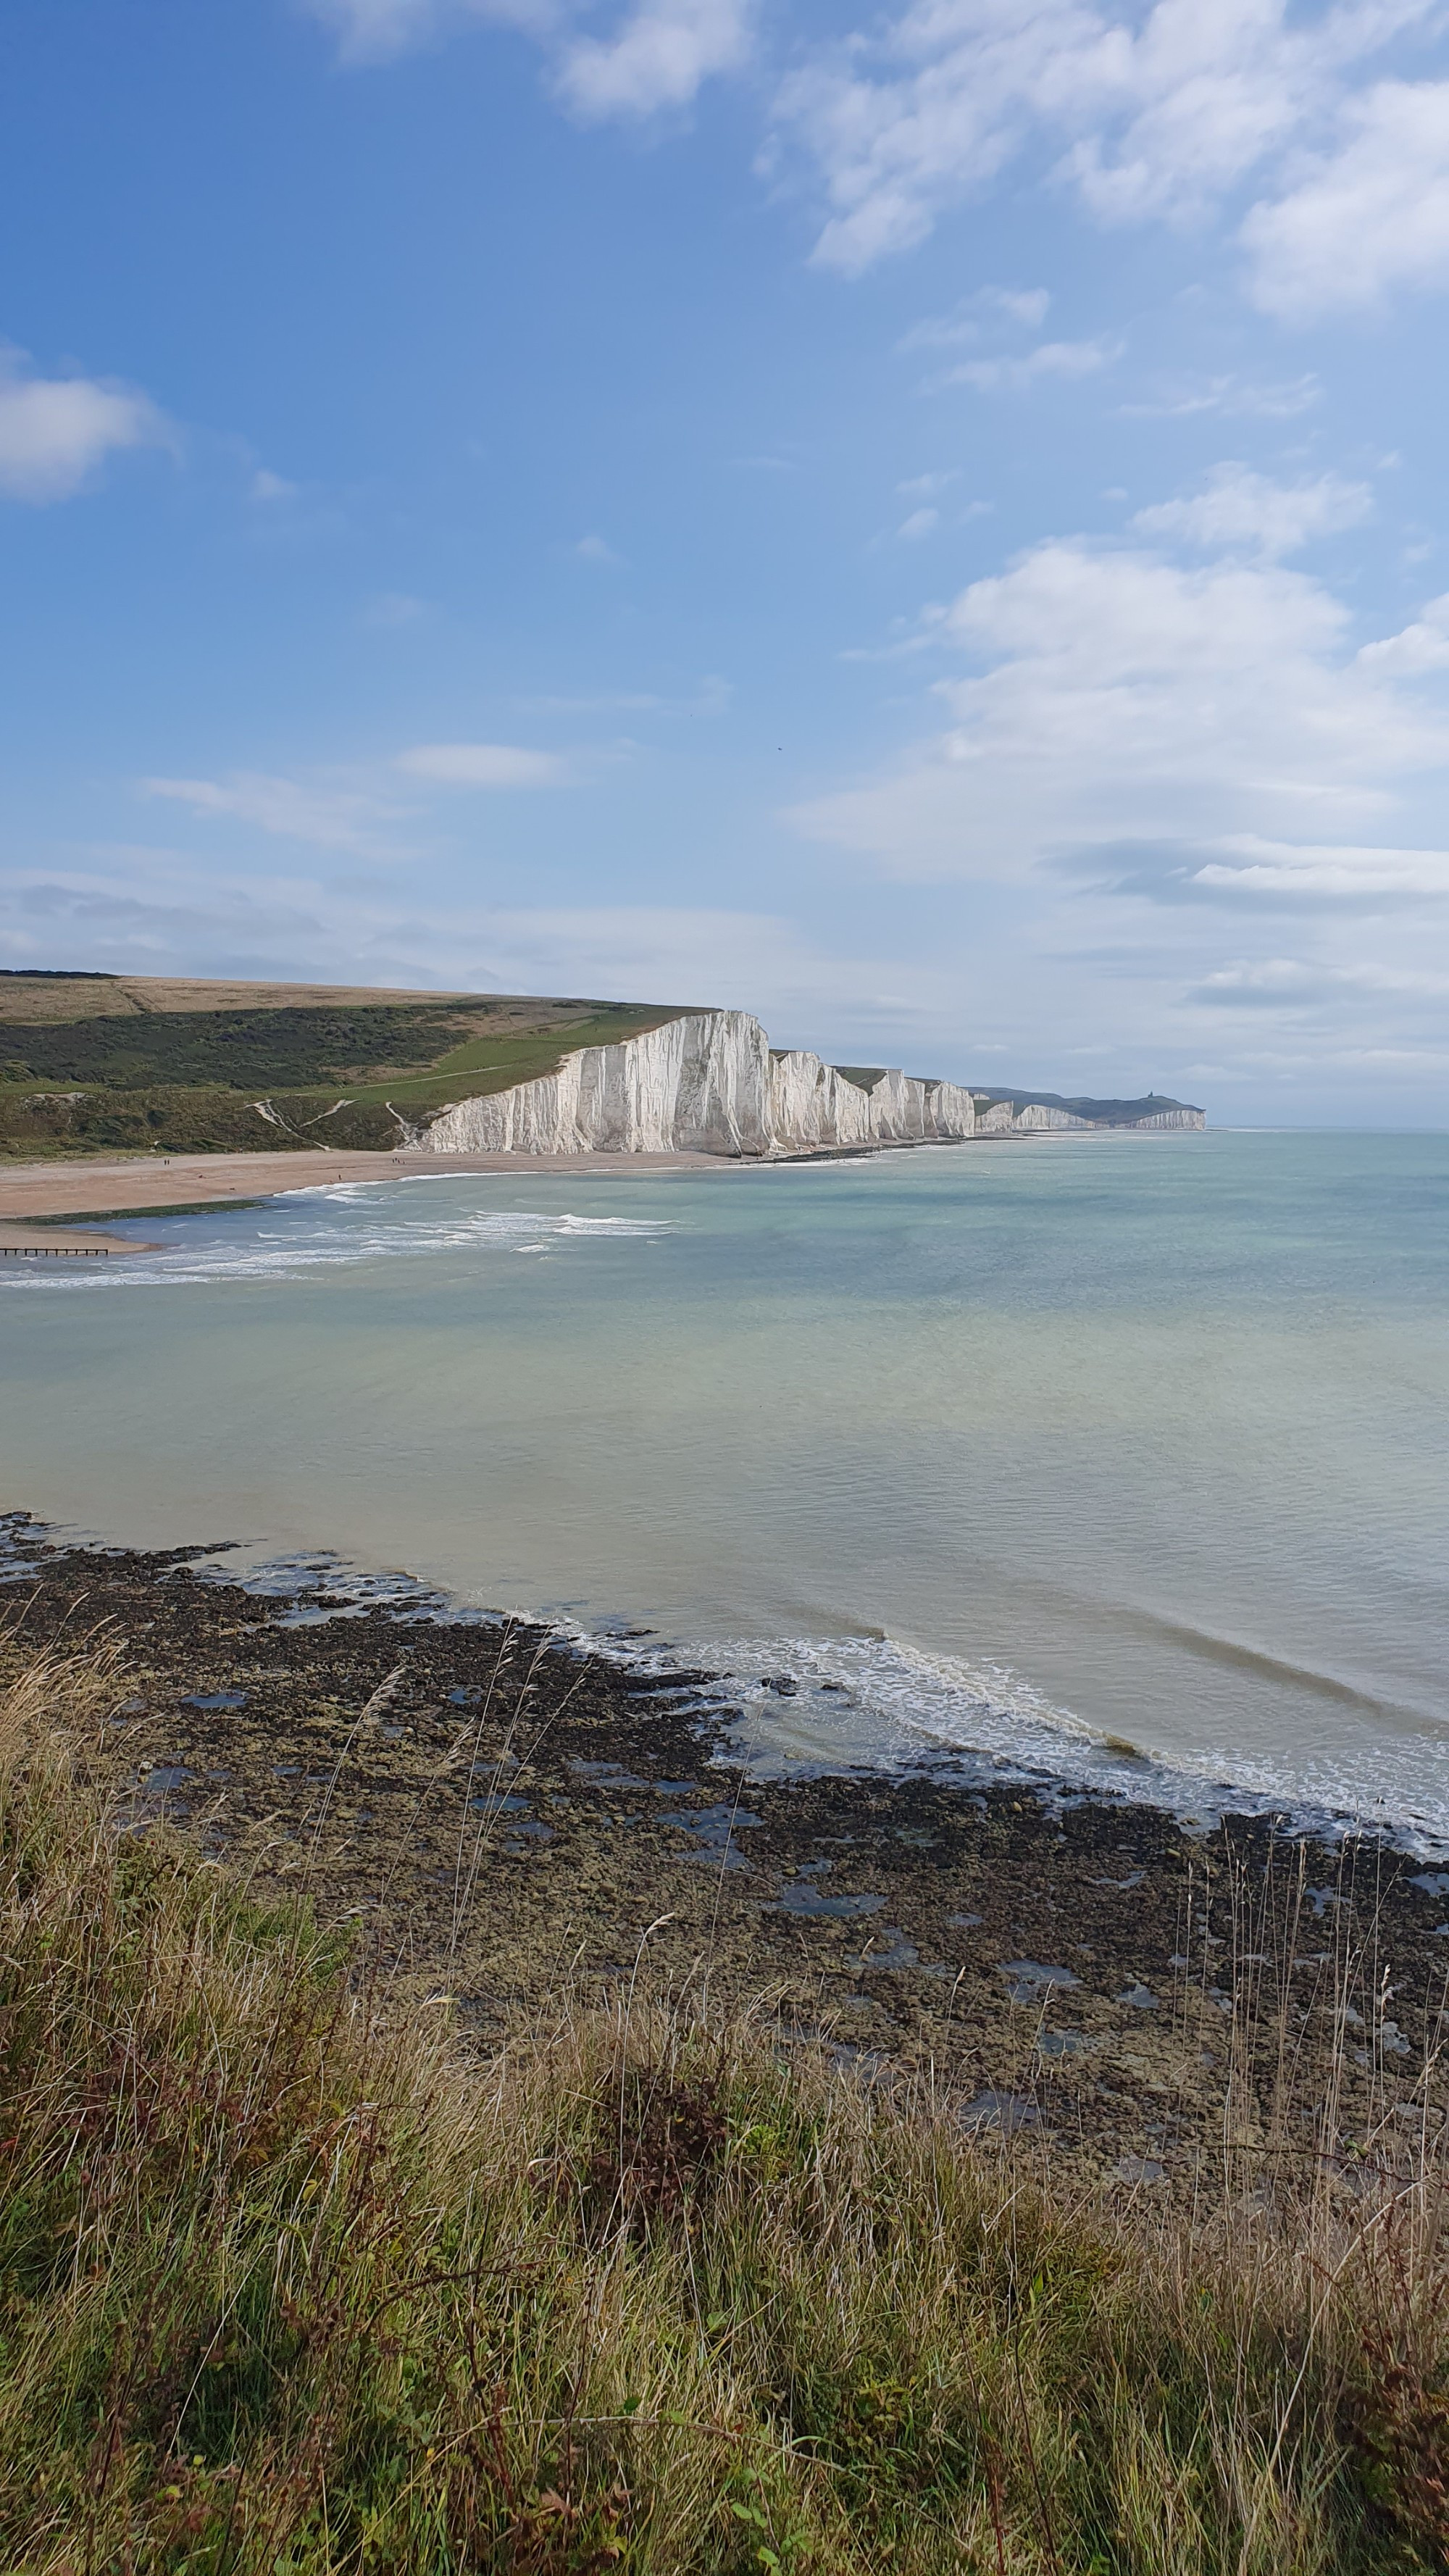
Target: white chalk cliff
[{"x": 710, "y": 1083}]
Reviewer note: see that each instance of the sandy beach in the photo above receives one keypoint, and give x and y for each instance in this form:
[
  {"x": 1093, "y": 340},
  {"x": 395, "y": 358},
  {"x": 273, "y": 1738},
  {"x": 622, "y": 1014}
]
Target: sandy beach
[{"x": 141, "y": 1182}]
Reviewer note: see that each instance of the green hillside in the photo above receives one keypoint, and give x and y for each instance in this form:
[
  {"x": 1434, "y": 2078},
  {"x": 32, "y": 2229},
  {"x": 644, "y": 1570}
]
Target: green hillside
[{"x": 99, "y": 1064}]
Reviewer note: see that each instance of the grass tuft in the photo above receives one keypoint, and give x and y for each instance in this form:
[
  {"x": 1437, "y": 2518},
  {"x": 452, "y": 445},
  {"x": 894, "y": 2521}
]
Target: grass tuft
[{"x": 286, "y": 2287}]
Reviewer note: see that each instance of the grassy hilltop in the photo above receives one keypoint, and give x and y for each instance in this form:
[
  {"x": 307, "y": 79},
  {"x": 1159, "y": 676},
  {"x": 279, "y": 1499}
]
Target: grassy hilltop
[{"x": 97, "y": 1063}]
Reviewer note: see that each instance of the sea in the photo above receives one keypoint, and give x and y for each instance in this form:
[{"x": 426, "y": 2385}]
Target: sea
[{"x": 1119, "y": 1462}]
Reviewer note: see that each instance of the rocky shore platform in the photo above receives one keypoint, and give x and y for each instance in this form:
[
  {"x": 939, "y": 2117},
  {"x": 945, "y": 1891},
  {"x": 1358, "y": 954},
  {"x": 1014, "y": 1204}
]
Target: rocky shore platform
[{"x": 508, "y": 1823}]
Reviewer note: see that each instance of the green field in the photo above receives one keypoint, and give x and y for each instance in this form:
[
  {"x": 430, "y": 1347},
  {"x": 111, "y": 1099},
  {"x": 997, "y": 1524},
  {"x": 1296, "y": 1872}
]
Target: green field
[{"x": 92, "y": 1064}]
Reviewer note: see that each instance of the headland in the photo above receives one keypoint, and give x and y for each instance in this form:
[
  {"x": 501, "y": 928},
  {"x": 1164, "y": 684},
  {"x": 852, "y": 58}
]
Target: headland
[{"x": 93, "y": 1063}]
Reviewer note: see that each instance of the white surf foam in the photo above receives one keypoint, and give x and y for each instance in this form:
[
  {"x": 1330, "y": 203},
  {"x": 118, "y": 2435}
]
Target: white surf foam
[
  {"x": 363, "y": 1229},
  {"x": 872, "y": 1703}
]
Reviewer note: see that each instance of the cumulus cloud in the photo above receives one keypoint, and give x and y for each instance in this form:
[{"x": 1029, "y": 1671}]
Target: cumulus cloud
[
  {"x": 1239, "y": 509},
  {"x": 1151, "y": 116},
  {"x": 656, "y": 58},
  {"x": 1365, "y": 218},
  {"x": 377, "y": 31},
  {"x": 1121, "y": 699},
  {"x": 1157, "y": 114},
  {"x": 480, "y": 764},
  {"x": 1418, "y": 648},
  {"x": 57, "y": 431}
]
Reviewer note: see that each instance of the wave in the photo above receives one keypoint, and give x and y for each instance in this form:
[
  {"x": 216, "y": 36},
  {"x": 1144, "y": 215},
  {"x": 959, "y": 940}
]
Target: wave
[
  {"x": 869, "y": 1702},
  {"x": 362, "y": 1230},
  {"x": 854, "y": 1704}
]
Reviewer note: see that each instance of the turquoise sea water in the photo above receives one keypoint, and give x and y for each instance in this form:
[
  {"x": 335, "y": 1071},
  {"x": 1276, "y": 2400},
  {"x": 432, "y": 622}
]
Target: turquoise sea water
[{"x": 1019, "y": 1447}]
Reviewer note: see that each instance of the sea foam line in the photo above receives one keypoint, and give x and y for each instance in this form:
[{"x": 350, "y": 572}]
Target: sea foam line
[{"x": 278, "y": 1249}]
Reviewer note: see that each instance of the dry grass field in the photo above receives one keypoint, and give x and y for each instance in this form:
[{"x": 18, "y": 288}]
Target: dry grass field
[{"x": 290, "y": 2281}]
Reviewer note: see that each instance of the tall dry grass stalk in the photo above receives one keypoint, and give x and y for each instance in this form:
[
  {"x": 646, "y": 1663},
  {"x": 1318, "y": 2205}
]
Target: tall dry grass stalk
[{"x": 286, "y": 2289}]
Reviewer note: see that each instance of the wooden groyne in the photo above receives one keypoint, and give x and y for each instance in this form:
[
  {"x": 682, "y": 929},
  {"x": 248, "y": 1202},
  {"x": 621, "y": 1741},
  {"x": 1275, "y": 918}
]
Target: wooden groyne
[{"x": 48, "y": 1243}]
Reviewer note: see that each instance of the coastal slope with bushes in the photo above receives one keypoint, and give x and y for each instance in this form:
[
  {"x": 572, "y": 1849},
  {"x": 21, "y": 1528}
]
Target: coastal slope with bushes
[{"x": 95, "y": 1064}]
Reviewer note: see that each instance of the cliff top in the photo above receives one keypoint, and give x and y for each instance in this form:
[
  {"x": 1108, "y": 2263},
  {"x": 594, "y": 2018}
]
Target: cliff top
[
  {"x": 94, "y": 1062},
  {"x": 89, "y": 1063},
  {"x": 1105, "y": 1113}
]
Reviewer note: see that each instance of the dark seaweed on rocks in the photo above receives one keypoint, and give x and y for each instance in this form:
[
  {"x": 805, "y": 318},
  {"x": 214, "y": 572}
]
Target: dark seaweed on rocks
[{"x": 502, "y": 1812}]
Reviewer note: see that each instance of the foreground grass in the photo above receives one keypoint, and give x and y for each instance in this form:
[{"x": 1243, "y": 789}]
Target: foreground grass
[{"x": 287, "y": 2288}]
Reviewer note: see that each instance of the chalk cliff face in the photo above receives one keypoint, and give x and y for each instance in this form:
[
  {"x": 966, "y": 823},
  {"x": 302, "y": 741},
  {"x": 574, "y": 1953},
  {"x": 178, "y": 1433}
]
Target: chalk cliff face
[{"x": 711, "y": 1083}]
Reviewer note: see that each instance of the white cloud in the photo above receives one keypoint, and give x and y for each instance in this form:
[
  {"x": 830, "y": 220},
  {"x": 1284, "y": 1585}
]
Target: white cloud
[
  {"x": 162, "y": 912},
  {"x": 1359, "y": 221},
  {"x": 1154, "y": 115},
  {"x": 372, "y": 31},
  {"x": 1055, "y": 361},
  {"x": 269, "y": 487},
  {"x": 1329, "y": 871},
  {"x": 377, "y": 31},
  {"x": 597, "y": 550},
  {"x": 1027, "y": 305},
  {"x": 918, "y": 525},
  {"x": 966, "y": 321},
  {"x": 480, "y": 764},
  {"x": 928, "y": 487},
  {"x": 330, "y": 816},
  {"x": 657, "y": 58},
  {"x": 1233, "y": 399},
  {"x": 1240, "y": 509},
  {"x": 1307, "y": 982},
  {"x": 57, "y": 431},
  {"x": 1418, "y": 648},
  {"x": 1125, "y": 700}
]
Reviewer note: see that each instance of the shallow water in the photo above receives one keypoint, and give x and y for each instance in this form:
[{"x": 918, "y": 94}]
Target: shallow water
[{"x": 1022, "y": 1447}]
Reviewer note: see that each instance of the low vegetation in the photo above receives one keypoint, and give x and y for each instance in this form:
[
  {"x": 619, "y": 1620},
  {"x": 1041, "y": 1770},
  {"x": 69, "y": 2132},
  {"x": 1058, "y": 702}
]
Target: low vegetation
[
  {"x": 289, "y": 2284},
  {"x": 267, "y": 1069}
]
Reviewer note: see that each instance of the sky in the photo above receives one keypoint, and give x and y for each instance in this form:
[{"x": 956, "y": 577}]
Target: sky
[{"x": 923, "y": 522}]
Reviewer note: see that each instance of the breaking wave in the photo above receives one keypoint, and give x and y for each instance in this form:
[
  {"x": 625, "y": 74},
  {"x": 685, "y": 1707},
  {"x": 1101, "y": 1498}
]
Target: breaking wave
[{"x": 351, "y": 1225}]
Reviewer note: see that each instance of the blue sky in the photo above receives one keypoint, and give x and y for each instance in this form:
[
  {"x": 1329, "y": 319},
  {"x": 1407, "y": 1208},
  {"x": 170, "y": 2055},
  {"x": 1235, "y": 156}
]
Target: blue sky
[{"x": 927, "y": 523}]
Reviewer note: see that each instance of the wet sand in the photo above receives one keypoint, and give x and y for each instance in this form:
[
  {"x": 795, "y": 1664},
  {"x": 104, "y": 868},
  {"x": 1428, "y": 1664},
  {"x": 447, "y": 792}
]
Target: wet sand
[
  {"x": 152, "y": 1182},
  {"x": 504, "y": 1819}
]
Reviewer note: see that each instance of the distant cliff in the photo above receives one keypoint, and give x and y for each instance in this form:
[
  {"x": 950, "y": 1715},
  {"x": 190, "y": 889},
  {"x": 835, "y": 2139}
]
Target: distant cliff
[{"x": 710, "y": 1082}]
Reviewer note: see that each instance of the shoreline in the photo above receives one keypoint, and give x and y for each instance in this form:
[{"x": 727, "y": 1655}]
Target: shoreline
[
  {"x": 190, "y": 1184},
  {"x": 1074, "y": 1967},
  {"x": 50, "y": 1192}
]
